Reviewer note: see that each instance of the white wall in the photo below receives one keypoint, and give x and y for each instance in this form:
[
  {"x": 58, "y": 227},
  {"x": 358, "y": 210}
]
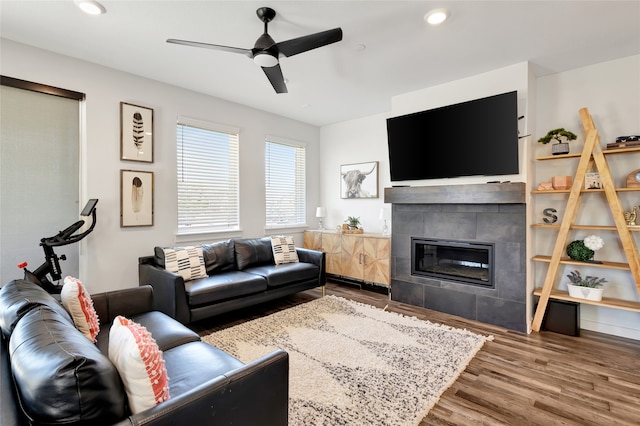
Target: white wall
[
  {"x": 610, "y": 90},
  {"x": 356, "y": 141},
  {"x": 365, "y": 139},
  {"x": 110, "y": 254}
]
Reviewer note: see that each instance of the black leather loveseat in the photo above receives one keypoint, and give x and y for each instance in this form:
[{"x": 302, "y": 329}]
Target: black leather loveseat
[
  {"x": 52, "y": 374},
  {"x": 240, "y": 273}
]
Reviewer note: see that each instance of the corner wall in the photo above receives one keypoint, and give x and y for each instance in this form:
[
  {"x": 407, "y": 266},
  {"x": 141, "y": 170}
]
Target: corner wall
[
  {"x": 109, "y": 256},
  {"x": 611, "y": 90}
]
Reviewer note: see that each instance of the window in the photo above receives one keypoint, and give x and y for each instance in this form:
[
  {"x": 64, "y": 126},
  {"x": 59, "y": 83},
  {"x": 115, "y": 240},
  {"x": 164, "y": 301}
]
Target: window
[
  {"x": 284, "y": 183},
  {"x": 207, "y": 177}
]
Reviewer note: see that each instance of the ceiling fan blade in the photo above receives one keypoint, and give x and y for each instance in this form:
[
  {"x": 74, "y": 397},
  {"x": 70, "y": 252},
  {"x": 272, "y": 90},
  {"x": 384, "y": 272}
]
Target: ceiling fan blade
[
  {"x": 309, "y": 42},
  {"x": 274, "y": 74},
  {"x": 246, "y": 52}
]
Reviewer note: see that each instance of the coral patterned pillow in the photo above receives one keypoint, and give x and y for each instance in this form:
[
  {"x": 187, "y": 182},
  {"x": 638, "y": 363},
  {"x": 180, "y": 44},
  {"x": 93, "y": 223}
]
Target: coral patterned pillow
[
  {"x": 77, "y": 301},
  {"x": 140, "y": 364}
]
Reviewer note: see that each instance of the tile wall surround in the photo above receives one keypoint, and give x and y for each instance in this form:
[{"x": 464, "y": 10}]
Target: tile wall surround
[{"x": 457, "y": 212}]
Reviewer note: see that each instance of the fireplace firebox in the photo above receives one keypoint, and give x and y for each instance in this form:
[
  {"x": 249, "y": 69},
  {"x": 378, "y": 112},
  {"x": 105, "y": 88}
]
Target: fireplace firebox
[{"x": 460, "y": 261}]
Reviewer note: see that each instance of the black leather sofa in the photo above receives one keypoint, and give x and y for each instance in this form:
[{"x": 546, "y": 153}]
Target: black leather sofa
[
  {"x": 240, "y": 273},
  {"x": 51, "y": 374}
]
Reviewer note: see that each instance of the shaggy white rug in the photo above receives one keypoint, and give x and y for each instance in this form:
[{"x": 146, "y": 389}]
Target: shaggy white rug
[{"x": 354, "y": 364}]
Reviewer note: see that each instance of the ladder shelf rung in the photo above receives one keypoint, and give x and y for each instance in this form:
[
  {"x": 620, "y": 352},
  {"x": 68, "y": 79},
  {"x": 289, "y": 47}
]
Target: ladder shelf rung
[
  {"x": 609, "y": 302},
  {"x": 594, "y": 227},
  {"x": 568, "y": 261}
]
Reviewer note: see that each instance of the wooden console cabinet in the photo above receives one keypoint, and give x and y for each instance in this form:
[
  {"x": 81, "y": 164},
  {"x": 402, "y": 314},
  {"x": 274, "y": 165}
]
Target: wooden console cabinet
[{"x": 360, "y": 257}]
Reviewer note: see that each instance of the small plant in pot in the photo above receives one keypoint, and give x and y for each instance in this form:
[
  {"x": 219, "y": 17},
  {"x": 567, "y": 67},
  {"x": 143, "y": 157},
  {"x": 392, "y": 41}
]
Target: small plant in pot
[
  {"x": 589, "y": 288},
  {"x": 353, "y": 222},
  {"x": 585, "y": 250},
  {"x": 561, "y": 137}
]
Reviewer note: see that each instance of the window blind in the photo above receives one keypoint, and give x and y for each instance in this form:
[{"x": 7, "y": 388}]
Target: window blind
[
  {"x": 284, "y": 183},
  {"x": 208, "y": 177},
  {"x": 39, "y": 174}
]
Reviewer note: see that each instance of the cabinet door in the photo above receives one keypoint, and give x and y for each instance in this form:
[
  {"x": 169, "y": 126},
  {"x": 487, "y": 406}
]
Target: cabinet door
[
  {"x": 377, "y": 255},
  {"x": 352, "y": 256},
  {"x": 332, "y": 249},
  {"x": 313, "y": 240}
]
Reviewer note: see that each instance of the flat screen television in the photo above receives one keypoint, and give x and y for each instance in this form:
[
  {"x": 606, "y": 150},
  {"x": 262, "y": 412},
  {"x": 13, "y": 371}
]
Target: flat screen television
[{"x": 473, "y": 138}]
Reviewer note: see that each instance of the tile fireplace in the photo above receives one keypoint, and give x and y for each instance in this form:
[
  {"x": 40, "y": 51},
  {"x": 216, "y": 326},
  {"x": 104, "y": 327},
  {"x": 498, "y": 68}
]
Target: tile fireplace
[{"x": 461, "y": 249}]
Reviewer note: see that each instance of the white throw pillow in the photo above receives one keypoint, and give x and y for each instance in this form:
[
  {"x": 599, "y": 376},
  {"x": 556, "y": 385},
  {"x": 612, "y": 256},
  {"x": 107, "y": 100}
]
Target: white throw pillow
[
  {"x": 77, "y": 301},
  {"x": 187, "y": 261},
  {"x": 284, "y": 250},
  {"x": 140, "y": 364}
]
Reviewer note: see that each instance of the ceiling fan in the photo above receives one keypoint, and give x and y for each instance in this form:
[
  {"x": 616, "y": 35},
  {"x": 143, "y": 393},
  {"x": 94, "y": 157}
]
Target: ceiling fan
[{"x": 266, "y": 52}]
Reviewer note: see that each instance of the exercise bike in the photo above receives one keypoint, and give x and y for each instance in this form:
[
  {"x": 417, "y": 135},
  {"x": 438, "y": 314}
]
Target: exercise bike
[{"x": 51, "y": 265}]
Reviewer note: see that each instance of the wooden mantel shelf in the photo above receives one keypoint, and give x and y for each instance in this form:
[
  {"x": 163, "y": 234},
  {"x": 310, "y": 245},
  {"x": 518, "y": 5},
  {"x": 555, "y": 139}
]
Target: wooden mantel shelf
[{"x": 483, "y": 193}]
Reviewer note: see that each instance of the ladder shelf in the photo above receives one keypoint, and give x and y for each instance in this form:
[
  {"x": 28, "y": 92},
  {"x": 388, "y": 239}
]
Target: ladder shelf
[{"x": 592, "y": 156}]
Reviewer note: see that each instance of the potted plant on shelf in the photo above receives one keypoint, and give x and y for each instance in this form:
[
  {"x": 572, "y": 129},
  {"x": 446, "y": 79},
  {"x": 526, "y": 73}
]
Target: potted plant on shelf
[
  {"x": 589, "y": 288},
  {"x": 585, "y": 250},
  {"x": 561, "y": 137}
]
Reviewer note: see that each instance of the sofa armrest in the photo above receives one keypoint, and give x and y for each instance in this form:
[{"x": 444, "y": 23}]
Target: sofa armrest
[
  {"x": 169, "y": 294},
  {"x": 238, "y": 398},
  {"x": 315, "y": 257},
  {"x": 10, "y": 413},
  {"x": 127, "y": 302}
]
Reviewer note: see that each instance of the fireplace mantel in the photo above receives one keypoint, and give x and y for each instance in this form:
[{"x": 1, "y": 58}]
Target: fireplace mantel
[{"x": 484, "y": 193}]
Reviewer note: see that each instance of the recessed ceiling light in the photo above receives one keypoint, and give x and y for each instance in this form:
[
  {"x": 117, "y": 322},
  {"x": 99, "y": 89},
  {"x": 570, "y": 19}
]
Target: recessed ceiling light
[
  {"x": 436, "y": 16},
  {"x": 92, "y": 7}
]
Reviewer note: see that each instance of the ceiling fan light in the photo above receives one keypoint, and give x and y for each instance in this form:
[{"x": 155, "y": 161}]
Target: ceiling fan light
[
  {"x": 90, "y": 7},
  {"x": 436, "y": 16},
  {"x": 265, "y": 60}
]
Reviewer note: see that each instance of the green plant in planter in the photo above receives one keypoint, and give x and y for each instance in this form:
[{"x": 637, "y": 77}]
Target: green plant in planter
[
  {"x": 353, "y": 222},
  {"x": 576, "y": 250},
  {"x": 559, "y": 135},
  {"x": 588, "y": 281}
]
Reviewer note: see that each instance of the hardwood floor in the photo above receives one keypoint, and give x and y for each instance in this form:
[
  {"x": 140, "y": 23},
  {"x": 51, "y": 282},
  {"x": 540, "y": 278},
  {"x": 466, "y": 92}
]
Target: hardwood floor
[{"x": 517, "y": 379}]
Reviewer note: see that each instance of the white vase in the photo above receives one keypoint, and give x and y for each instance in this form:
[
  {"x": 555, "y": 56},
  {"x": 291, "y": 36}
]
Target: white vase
[{"x": 588, "y": 293}]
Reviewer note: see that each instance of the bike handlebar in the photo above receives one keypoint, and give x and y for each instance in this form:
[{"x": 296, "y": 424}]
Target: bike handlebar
[{"x": 65, "y": 236}]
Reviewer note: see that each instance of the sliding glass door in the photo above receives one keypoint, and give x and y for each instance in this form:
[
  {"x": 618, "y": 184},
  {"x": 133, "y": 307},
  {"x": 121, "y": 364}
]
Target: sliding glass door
[{"x": 39, "y": 176}]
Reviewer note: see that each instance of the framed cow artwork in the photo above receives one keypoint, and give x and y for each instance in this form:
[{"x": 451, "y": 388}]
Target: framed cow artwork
[{"x": 359, "y": 180}]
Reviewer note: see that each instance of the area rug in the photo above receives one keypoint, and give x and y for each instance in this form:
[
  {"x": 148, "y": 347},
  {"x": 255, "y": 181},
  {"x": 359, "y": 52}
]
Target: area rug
[{"x": 354, "y": 364}]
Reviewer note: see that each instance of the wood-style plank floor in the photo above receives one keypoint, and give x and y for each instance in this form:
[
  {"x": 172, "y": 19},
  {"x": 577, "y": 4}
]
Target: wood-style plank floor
[{"x": 517, "y": 379}]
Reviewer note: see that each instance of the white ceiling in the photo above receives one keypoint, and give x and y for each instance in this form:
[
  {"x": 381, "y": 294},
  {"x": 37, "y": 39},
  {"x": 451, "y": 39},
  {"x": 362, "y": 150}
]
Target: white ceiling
[{"x": 337, "y": 82}]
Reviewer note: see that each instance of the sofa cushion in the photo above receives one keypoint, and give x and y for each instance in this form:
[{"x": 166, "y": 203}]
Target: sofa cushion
[
  {"x": 223, "y": 286},
  {"x": 140, "y": 364},
  {"x": 219, "y": 256},
  {"x": 186, "y": 261},
  {"x": 208, "y": 361},
  {"x": 284, "y": 250},
  {"x": 62, "y": 377},
  {"x": 18, "y": 297},
  {"x": 289, "y": 273},
  {"x": 167, "y": 332},
  {"x": 77, "y": 301},
  {"x": 253, "y": 251}
]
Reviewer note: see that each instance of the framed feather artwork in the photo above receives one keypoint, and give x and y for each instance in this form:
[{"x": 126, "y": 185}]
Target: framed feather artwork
[
  {"x": 136, "y": 198},
  {"x": 136, "y": 133}
]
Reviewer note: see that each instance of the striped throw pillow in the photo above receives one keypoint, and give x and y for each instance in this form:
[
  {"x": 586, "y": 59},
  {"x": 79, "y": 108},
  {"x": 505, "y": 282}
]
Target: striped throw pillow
[
  {"x": 284, "y": 250},
  {"x": 187, "y": 261}
]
